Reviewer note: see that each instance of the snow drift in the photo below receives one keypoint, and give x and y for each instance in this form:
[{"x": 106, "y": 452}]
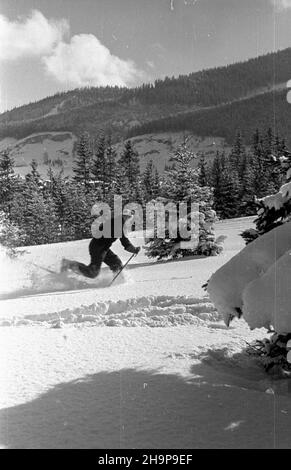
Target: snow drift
[
  {"x": 267, "y": 300},
  {"x": 151, "y": 311},
  {"x": 254, "y": 282}
]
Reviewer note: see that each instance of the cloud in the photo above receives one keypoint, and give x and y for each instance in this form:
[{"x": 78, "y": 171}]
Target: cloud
[
  {"x": 29, "y": 37},
  {"x": 281, "y": 4},
  {"x": 80, "y": 61},
  {"x": 85, "y": 61}
]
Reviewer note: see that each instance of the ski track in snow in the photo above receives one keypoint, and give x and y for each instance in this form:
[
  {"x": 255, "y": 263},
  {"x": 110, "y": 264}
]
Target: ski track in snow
[{"x": 143, "y": 311}]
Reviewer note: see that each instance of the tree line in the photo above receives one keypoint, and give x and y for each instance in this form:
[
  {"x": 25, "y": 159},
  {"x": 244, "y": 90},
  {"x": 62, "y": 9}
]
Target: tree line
[
  {"x": 245, "y": 174},
  {"x": 36, "y": 210},
  {"x": 57, "y": 208},
  {"x": 224, "y": 120}
]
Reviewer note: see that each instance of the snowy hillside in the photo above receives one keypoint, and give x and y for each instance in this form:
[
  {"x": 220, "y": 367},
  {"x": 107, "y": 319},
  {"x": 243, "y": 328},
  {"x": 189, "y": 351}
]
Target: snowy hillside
[
  {"x": 58, "y": 148},
  {"x": 146, "y": 363},
  {"x": 49, "y": 148}
]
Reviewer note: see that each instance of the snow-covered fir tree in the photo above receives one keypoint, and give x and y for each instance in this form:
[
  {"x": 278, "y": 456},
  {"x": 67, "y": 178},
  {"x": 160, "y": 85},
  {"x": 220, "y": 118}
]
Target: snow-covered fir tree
[
  {"x": 275, "y": 209},
  {"x": 11, "y": 236},
  {"x": 35, "y": 214},
  {"x": 180, "y": 185}
]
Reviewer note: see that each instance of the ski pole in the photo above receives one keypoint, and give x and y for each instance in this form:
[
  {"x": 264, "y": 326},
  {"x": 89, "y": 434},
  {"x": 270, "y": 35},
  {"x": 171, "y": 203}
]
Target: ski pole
[{"x": 116, "y": 276}]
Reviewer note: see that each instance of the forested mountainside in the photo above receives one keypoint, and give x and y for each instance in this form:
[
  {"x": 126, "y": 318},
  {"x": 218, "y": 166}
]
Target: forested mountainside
[
  {"x": 239, "y": 95},
  {"x": 260, "y": 112}
]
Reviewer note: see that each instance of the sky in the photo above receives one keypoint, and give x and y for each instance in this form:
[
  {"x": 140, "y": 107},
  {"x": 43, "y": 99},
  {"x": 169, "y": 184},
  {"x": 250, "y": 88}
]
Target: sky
[{"x": 48, "y": 46}]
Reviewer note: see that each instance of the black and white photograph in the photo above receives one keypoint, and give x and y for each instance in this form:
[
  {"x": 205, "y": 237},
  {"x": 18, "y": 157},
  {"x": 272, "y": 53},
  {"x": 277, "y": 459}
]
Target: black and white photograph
[{"x": 145, "y": 226}]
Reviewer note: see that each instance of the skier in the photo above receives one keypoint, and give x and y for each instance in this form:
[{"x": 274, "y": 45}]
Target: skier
[{"x": 99, "y": 249}]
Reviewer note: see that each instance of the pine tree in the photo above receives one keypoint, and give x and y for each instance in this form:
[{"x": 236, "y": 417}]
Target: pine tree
[
  {"x": 34, "y": 175},
  {"x": 11, "y": 236},
  {"x": 237, "y": 154},
  {"x": 99, "y": 166},
  {"x": 218, "y": 168},
  {"x": 274, "y": 209},
  {"x": 181, "y": 177},
  {"x": 229, "y": 196},
  {"x": 226, "y": 187},
  {"x": 83, "y": 161},
  {"x": 111, "y": 170},
  {"x": 35, "y": 215},
  {"x": 279, "y": 154},
  {"x": 76, "y": 223},
  {"x": 260, "y": 154},
  {"x": 270, "y": 162},
  {"x": 57, "y": 191},
  {"x": 129, "y": 175},
  {"x": 150, "y": 182},
  {"x": 247, "y": 195},
  {"x": 180, "y": 185},
  {"x": 8, "y": 181},
  {"x": 203, "y": 177},
  {"x": 157, "y": 184}
]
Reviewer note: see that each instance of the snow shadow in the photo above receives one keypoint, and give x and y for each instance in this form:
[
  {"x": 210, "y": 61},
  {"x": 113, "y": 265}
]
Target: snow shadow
[
  {"x": 241, "y": 370},
  {"x": 147, "y": 409}
]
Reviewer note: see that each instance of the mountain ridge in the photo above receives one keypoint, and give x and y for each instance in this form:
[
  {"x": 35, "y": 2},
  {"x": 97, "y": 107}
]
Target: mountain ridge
[{"x": 212, "y": 103}]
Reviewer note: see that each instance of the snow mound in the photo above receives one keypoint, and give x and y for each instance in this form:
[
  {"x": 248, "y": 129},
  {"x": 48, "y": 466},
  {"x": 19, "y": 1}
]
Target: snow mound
[
  {"x": 160, "y": 311},
  {"x": 267, "y": 300},
  {"x": 227, "y": 284},
  {"x": 278, "y": 200}
]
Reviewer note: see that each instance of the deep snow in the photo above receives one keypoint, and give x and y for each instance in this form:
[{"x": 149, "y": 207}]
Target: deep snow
[
  {"x": 257, "y": 282},
  {"x": 147, "y": 363}
]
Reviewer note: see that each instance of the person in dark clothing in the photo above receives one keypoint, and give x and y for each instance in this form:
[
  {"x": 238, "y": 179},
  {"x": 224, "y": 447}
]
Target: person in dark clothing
[{"x": 100, "y": 252}]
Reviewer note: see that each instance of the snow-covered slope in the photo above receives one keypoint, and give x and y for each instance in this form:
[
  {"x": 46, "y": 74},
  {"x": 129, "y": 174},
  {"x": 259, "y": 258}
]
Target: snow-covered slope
[
  {"x": 70, "y": 379},
  {"x": 47, "y": 148},
  {"x": 58, "y": 148},
  {"x": 24, "y": 277}
]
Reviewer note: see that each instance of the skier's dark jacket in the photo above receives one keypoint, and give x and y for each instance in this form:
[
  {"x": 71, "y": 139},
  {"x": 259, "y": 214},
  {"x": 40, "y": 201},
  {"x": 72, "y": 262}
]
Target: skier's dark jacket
[{"x": 104, "y": 243}]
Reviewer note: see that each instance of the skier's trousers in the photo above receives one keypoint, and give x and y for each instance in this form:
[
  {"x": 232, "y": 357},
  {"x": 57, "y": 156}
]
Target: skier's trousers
[{"x": 99, "y": 254}]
